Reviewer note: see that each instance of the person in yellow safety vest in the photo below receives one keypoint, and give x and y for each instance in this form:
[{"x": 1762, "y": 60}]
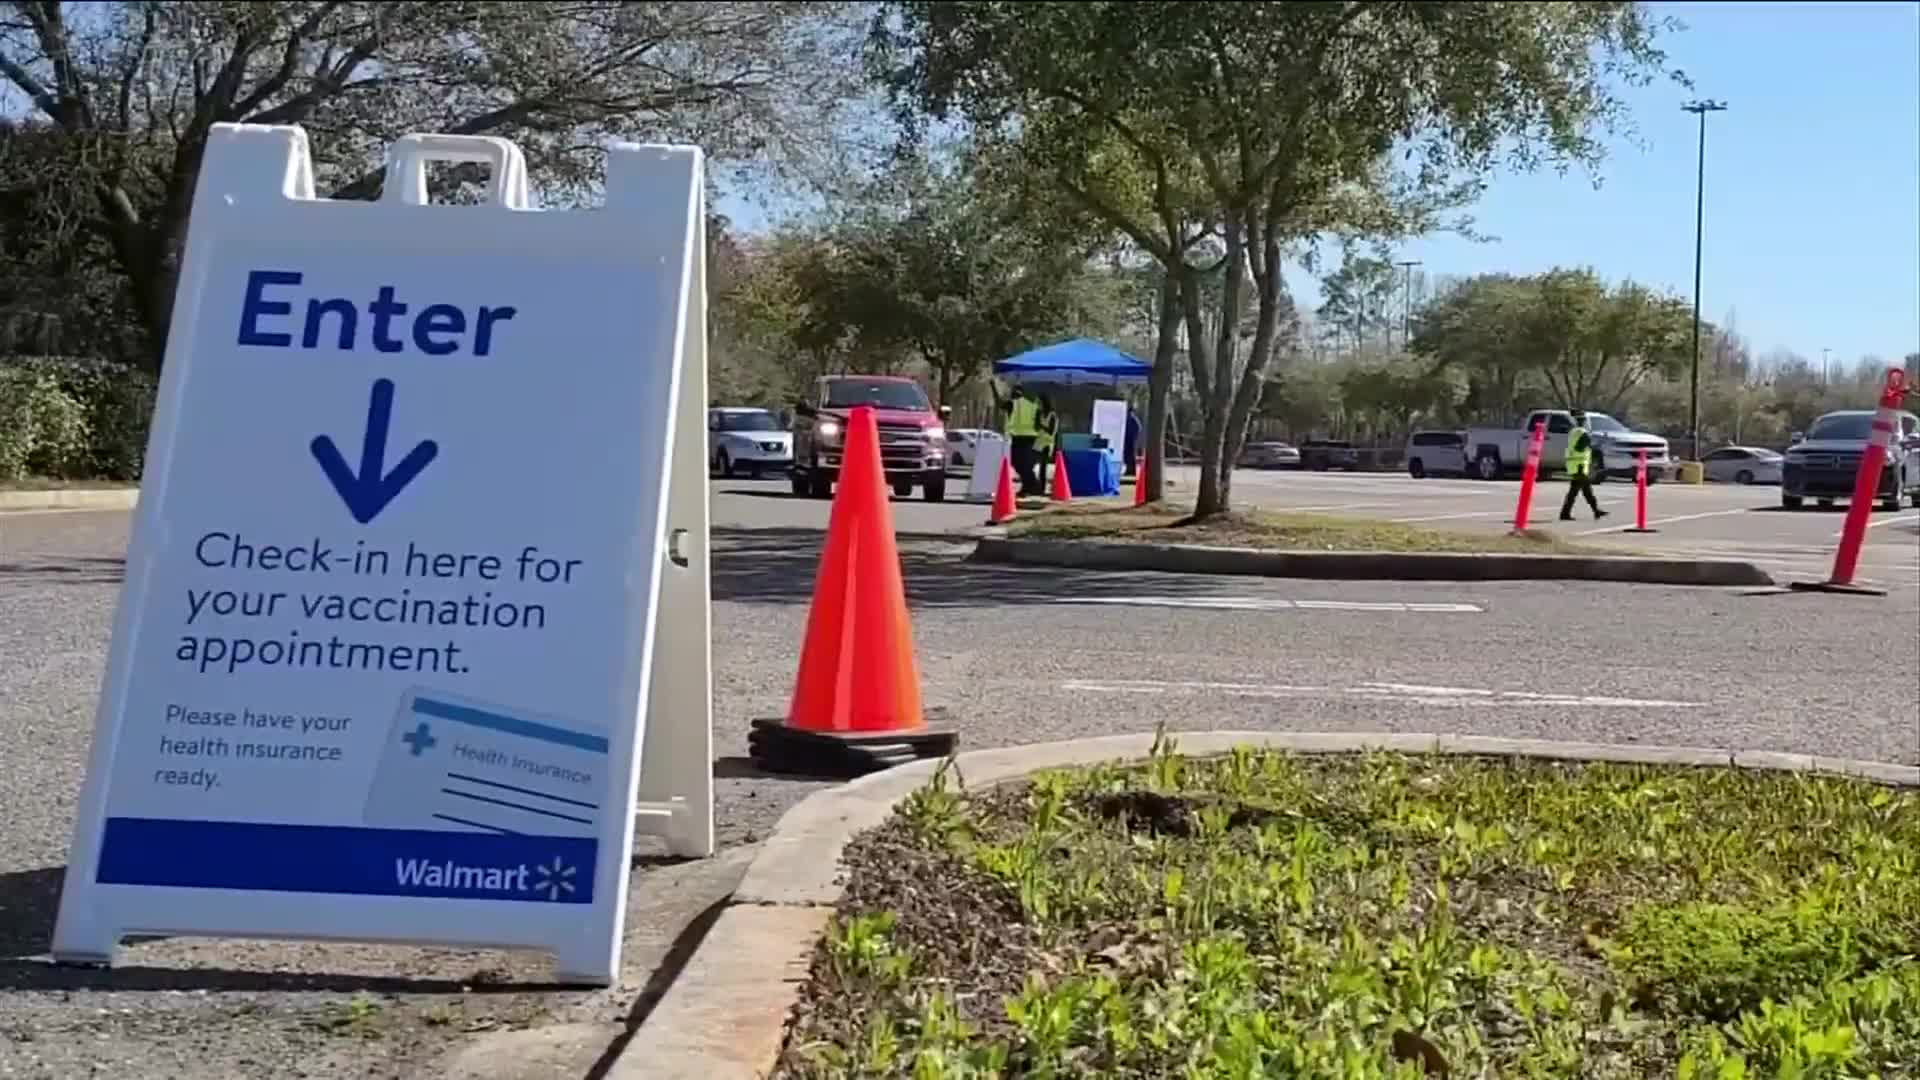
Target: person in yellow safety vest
[
  {"x": 1579, "y": 460},
  {"x": 1047, "y": 437},
  {"x": 1022, "y": 428}
]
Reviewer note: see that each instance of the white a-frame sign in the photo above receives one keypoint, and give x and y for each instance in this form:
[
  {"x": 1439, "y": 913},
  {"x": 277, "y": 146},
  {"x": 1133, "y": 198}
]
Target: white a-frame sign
[{"x": 415, "y": 633}]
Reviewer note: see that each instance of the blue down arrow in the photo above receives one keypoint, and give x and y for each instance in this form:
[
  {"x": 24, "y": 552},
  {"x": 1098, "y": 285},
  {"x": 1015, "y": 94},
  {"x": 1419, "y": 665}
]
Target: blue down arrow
[{"x": 369, "y": 492}]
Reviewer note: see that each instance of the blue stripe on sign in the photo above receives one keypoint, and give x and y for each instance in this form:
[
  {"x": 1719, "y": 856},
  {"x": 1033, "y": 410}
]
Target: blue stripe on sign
[
  {"x": 347, "y": 859},
  {"x": 461, "y": 714}
]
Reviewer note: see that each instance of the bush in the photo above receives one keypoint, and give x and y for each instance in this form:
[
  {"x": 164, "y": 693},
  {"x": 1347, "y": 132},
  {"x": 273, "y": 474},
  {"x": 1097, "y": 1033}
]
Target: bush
[
  {"x": 47, "y": 403},
  {"x": 43, "y": 430}
]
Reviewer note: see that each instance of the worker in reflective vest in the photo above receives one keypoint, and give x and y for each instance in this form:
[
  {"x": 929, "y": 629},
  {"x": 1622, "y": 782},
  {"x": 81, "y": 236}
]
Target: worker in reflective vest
[
  {"x": 1046, "y": 438},
  {"x": 1579, "y": 460},
  {"x": 1022, "y": 427}
]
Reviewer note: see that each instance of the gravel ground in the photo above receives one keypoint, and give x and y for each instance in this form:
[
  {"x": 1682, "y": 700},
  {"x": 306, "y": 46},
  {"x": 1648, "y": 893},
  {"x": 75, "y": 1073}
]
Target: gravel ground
[{"x": 1018, "y": 656}]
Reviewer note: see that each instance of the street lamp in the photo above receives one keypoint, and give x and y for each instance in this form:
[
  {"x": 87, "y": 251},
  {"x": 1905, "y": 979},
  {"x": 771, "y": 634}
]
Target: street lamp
[
  {"x": 1406, "y": 307},
  {"x": 1700, "y": 109}
]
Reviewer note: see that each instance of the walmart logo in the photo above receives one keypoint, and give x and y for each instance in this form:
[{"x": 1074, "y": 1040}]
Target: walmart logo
[
  {"x": 548, "y": 881},
  {"x": 553, "y": 881}
]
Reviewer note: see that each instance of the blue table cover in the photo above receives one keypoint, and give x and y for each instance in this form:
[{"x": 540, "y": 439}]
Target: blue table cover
[{"x": 1091, "y": 472}]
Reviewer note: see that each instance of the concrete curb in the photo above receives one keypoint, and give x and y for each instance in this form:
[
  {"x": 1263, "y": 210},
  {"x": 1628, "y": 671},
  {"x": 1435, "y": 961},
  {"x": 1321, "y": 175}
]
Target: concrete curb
[
  {"x": 1365, "y": 565},
  {"x": 70, "y": 499},
  {"x": 725, "y": 1016}
]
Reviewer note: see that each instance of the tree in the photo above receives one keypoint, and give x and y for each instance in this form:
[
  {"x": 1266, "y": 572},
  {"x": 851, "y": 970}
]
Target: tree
[
  {"x": 133, "y": 87},
  {"x": 937, "y": 261},
  {"x": 1563, "y": 332},
  {"x": 1356, "y": 298},
  {"x": 1257, "y": 126}
]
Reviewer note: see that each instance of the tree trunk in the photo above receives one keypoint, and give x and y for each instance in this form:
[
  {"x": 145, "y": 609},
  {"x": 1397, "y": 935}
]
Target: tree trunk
[
  {"x": 1159, "y": 383},
  {"x": 1215, "y": 495}
]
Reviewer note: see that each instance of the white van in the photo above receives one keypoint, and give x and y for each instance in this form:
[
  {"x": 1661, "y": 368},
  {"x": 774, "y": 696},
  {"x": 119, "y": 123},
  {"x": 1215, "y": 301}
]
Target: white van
[{"x": 1437, "y": 453}]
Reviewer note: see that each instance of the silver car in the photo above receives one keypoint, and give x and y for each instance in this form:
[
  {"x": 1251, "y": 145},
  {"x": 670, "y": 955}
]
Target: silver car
[
  {"x": 752, "y": 441},
  {"x": 1743, "y": 465},
  {"x": 1269, "y": 455}
]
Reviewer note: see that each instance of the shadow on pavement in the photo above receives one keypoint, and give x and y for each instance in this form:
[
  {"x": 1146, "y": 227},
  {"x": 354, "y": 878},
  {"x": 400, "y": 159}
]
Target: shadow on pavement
[
  {"x": 777, "y": 566},
  {"x": 29, "y": 900},
  {"x": 66, "y": 570}
]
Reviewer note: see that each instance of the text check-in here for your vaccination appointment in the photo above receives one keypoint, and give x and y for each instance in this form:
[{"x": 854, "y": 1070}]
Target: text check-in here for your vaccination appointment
[
  {"x": 341, "y": 603},
  {"x": 323, "y": 584}
]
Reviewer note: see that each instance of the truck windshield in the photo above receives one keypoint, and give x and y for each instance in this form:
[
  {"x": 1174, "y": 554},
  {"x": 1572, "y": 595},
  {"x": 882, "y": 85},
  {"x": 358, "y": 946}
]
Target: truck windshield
[
  {"x": 1842, "y": 426},
  {"x": 879, "y": 393},
  {"x": 1599, "y": 421}
]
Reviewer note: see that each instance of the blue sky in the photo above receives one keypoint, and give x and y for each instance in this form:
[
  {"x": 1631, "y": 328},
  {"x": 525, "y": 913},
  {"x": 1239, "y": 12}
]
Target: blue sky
[{"x": 1813, "y": 183}]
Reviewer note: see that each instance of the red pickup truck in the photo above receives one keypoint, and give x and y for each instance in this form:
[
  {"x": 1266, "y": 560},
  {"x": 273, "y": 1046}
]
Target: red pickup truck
[{"x": 913, "y": 435}]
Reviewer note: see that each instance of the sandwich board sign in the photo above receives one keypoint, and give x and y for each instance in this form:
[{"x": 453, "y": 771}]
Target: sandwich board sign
[{"x": 414, "y": 636}]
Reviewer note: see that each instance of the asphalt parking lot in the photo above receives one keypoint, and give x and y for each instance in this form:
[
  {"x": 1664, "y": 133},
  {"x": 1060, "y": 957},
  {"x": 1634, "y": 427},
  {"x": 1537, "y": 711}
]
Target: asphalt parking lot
[{"x": 1019, "y": 656}]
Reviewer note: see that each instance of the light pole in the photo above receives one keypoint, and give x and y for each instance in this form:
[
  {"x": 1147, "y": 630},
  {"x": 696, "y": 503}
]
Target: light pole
[
  {"x": 1406, "y": 307},
  {"x": 1826, "y": 370},
  {"x": 1700, "y": 109}
]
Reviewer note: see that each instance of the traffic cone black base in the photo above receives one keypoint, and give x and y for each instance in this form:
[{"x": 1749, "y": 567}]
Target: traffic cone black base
[
  {"x": 778, "y": 747},
  {"x": 1835, "y": 587}
]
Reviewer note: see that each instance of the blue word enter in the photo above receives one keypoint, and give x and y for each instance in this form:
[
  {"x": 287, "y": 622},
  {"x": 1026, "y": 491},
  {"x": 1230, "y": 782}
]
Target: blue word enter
[{"x": 437, "y": 330}]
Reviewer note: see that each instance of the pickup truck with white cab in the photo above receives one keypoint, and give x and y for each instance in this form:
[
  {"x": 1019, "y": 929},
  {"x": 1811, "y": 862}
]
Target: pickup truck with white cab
[{"x": 1496, "y": 452}]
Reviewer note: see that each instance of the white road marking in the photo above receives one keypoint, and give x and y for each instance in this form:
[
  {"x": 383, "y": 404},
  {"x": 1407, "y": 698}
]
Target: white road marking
[
  {"x": 1657, "y": 522},
  {"x": 1452, "y": 517},
  {"x": 1401, "y": 693},
  {"x": 1258, "y": 603},
  {"x": 1911, "y": 519}
]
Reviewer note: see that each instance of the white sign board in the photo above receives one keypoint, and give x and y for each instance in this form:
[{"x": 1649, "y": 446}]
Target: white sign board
[
  {"x": 422, "y": 482},
  {"x": 989, "y": 449},
  {"x": 1110, "y": 420}
]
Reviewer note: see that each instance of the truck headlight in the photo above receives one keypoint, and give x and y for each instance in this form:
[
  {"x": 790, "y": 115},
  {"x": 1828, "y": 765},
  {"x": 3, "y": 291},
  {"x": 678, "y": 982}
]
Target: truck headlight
[
  {"x": 828, "y": 430},
  {"x": 938, "y": 435}
]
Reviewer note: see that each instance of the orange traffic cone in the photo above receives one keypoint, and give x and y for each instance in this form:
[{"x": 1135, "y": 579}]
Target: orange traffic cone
[
  {"x": 1062, "y": 490},
  {"x": 1140, "y": 481},
  {"x": 856, "y": 699},
  {"x": 1004, "y": 505}
]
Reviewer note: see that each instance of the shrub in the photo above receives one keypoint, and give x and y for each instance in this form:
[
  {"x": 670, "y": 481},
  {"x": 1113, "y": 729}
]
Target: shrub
[
  {"x": 43, "y": 430},
  {"x": 115, "y": 405}
]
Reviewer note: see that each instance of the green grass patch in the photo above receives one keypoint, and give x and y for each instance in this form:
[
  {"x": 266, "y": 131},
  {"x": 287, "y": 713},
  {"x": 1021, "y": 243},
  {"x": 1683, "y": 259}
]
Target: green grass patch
[
  {"x": 1274, "y": 530},
  {"x": 1272, "y": 915}
]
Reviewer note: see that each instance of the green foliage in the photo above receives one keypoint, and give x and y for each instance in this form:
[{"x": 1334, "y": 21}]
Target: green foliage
[
  {"x": 1264, "y": 125},
  {"x": 43, "y": 429},
  {"x": 1563, "y": 333},
  {"x": 1261, "y": 914},
  {"x": 85, "y": 419}
]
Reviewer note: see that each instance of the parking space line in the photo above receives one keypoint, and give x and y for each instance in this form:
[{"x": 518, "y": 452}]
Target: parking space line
[
  {"x": 1261, "y": 603},
  {"x": 1401, "y": 693},
  {"x": 1911, "y": 519},
  {"x": 1665, "y": 520},
  {"x": 1452, "y": 517}
]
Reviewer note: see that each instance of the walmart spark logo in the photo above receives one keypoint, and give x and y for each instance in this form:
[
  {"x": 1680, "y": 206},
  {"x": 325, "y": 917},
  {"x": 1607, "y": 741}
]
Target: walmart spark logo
[{"x": 553, "y": 881}]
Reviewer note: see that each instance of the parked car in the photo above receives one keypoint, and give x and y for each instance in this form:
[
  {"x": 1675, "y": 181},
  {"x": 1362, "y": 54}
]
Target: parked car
[
  {"x": 1824, "y": 464},
  {"x": 962, "y": 444},
  {"x": 1743, "y": 465},
  {"x": 749, "y": 440},
  {"x": 1324, "y": 454},
  {"x": 1268, "y": 455},
  {"x": 1437, "y": 453},
  {"x": 913, "y": 435},
  {"x": 1497, "y": 452}
]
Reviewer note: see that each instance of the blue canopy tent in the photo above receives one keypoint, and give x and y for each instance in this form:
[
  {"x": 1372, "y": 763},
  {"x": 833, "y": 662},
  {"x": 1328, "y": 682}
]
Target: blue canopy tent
[{"x": 1080, "y": 362}]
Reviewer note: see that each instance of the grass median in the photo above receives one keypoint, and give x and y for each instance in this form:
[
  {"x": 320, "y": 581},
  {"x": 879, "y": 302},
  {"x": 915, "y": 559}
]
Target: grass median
[
  {"x": 1375, "y": 916},
  {"x": 1274, "y": 530}
]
